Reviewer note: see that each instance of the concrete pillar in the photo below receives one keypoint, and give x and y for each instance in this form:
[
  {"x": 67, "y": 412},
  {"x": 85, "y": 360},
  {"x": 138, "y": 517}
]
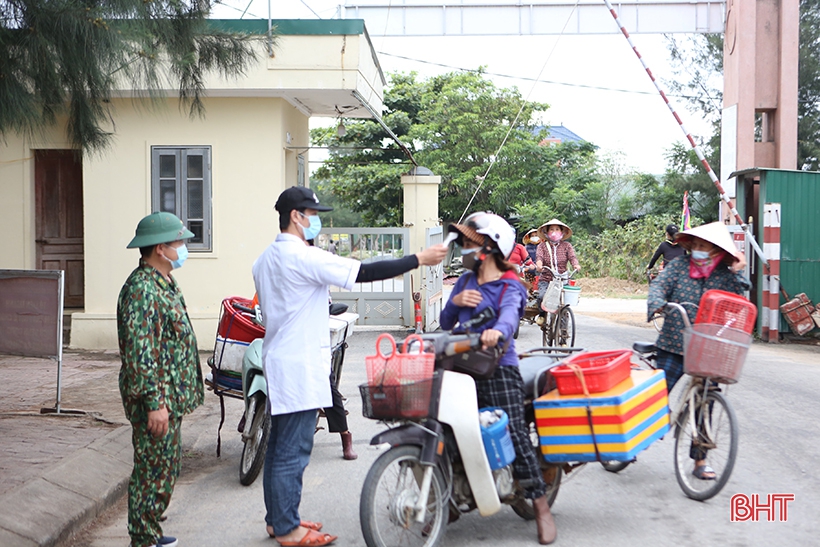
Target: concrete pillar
[
  {"x": 760, "y": 55},
  {"x": 420, "y": 212},
  {"x": 770, "y": 309}
]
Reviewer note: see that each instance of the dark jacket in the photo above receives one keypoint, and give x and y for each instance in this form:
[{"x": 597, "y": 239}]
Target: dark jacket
[
  {"x": 531, "y": 247},
  {"x": 674, "y": 285},
  {"x": 669, "y": 251}
]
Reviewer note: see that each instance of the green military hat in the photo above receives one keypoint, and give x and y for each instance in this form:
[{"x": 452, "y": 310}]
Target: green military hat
[{"x": 159, "y": 227}]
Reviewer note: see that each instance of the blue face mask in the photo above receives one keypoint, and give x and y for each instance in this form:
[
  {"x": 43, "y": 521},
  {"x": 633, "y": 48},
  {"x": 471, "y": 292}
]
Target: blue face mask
[
  {"x": 182, "y": 256},
  {"x": 315, "y": 226},
  {"x": 700, "y": 255},
  {"x": 467, "y": 251}
]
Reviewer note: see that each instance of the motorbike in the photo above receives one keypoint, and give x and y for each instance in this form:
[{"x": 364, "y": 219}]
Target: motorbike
[
  {"x": 436, "y": 467},
  {"x": 251, "y": 387}
]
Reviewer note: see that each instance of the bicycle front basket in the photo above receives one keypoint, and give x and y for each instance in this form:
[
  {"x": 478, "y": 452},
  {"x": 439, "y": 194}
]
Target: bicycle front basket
[{"x": 715, "y": 351}]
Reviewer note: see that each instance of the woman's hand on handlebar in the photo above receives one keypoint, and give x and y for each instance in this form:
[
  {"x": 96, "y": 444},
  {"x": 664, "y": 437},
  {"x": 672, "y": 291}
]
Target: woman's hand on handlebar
[
  {"x": 490, "y": 338},
  {"x": 467, "y": 298}
]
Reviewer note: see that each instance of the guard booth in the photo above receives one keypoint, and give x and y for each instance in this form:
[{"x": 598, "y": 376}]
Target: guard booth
[{"x": 783, "y": 207}]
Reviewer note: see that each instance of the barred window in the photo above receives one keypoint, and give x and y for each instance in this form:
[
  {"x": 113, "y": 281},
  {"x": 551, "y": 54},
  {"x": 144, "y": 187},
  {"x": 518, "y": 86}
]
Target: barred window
[{"x": 181, "y": 184}]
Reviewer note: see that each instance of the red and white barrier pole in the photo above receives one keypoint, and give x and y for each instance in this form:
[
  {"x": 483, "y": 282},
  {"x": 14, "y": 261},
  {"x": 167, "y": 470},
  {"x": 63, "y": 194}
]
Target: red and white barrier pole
[
  {"x": 695, "y": 147},
  {"x": 770, "y": 315}
]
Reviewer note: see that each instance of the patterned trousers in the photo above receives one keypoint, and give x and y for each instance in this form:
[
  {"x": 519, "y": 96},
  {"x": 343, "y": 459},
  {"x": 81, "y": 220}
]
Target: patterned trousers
[
  {"x": 156, "y": 468},
  {"x": 505, "y": 390}
]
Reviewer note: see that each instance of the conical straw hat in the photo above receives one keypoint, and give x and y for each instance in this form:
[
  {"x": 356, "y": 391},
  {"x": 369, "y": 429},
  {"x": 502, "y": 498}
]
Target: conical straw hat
[
  {"x": 542, "y": 230},
  {"x": 715, "y": 233},
  {"x": 529, "y": 234}
]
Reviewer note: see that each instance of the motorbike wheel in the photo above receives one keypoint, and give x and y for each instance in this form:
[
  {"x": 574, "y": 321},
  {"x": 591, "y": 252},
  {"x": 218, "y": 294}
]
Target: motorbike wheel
[
  {"x": 253, "y": 453},
  {"x": 614, "y": 466},
  {"x": 552, "y": 476},
  {"x": 390, "y": 491}
]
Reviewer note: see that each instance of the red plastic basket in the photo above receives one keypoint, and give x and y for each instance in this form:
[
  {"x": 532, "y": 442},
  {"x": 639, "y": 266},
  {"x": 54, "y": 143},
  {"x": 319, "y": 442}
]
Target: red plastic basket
[
  {"x": 602, "y": 370},
  {"x": 728, "y": 310},
  {"x": 398, "y": 368},
  {"x": 237, "y": 325}
]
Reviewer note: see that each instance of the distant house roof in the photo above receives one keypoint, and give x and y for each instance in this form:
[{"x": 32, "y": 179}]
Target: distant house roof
[{"x": 558, "y": 134}]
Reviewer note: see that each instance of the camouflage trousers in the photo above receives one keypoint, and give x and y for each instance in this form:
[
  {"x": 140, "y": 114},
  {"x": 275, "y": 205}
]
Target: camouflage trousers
[{"x": 156, "y": 468}]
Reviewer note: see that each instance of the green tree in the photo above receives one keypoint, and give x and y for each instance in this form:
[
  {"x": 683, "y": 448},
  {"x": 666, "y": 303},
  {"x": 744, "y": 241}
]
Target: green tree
[
  {"x": 63, "y": 58},
  {"x": 808, "y": 90},
  {"x": 700, "y": 60},
  {"x": 622, "y": 252},
  {"x": 454, "y": 125},
  {"x": 685, "y": 173}
]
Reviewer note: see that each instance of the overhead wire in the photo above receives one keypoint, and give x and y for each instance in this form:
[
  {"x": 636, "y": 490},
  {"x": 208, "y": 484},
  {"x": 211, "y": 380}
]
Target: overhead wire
[
  {"x": 311, "y": 9},
  {"x": 483, "y": 178},
  {"x": 530, "y": 79}
]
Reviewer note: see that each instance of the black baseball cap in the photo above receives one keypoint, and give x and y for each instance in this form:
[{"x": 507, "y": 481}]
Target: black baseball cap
[{"x": 298, "y": 197}]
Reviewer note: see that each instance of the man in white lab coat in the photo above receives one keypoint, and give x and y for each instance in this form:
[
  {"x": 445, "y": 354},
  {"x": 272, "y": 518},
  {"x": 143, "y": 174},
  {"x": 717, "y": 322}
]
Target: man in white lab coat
[{"x": 292, "y": 280}]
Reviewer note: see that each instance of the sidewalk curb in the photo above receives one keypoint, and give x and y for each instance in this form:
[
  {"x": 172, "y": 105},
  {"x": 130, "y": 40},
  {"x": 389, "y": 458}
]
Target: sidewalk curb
[{"x": 48, "y": 509}]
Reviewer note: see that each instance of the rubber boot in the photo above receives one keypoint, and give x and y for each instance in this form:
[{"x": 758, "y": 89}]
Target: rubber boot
[
  {"x": 543, "y": 519},
  {"x": 347, "y": 446}
]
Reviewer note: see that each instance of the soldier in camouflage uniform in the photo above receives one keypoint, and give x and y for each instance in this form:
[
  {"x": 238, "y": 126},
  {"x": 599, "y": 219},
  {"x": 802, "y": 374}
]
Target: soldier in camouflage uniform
[{"x": 160, "y": 379}]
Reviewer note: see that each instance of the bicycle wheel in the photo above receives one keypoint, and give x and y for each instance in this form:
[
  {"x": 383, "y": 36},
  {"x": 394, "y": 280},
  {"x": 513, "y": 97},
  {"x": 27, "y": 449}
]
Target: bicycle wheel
[
  {"x": 565, "y": 327},
  {"x": 386, "y": 509},
  {"x": 715, "y": 432},
  {"x": 547, "y": 330}
]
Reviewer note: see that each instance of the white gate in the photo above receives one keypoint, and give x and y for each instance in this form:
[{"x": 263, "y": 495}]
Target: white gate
[
  {"x": 433, "y": 277},
  {"x": 378, "y": 302}
]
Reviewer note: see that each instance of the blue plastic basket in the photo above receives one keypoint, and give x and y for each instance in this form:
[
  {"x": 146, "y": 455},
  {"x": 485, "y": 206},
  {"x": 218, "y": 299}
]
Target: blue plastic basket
[{"x": 497, "y": 442}]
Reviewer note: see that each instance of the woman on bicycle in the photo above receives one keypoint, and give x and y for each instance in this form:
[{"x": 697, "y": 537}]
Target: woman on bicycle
[
  {"x": 554, "y": 252},
  {"x": 531, "y": 241},
  {"x": 486, "y": 242},
  {"x": 713, "y": 263},
  {"x": 669, "y": 249}
]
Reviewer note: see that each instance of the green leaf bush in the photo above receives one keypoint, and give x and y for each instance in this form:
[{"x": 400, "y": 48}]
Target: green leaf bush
[{"x": 622, "y": 252}]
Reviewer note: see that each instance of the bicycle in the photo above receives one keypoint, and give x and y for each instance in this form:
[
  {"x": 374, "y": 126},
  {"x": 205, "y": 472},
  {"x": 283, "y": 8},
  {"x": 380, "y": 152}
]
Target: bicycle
[
  {"x": 657, "y": 317},
  {"x": 704, "y": 423},
  {"x": 558, "y": 326}
]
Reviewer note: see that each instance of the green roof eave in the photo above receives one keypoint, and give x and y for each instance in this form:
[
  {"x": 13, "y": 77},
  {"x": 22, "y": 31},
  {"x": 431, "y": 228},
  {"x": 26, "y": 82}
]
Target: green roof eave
[
  {"x": 750, "y": 170},
  {"x": 292, "y": 27}
]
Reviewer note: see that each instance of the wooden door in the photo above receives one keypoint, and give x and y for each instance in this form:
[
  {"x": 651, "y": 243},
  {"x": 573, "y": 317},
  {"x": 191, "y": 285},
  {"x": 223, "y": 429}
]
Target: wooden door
[{"x": 58, "y": 181}]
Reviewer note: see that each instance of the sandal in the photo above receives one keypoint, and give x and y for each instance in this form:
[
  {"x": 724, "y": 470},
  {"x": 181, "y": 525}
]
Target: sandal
[
  {"x": 704, "y": 473},
  {"x": 304, "y": 524},
  {"x": 312, "y": 538}
]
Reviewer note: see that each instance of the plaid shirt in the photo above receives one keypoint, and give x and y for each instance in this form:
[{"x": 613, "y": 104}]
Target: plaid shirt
[
  {"x": 160, "y": 362},
  {"x": 564, "y": 253}
]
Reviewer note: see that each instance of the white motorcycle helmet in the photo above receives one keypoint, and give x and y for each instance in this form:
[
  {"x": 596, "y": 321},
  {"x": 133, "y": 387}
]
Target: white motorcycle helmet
[{"x": 477, "y": 226}]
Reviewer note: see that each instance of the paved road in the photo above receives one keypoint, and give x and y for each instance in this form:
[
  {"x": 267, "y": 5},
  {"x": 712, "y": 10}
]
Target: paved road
[{"x": 643, "y": 505}]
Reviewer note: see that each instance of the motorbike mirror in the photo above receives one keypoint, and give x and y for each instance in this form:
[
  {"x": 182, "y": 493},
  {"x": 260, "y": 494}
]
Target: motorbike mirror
[
  {"x": 485, "y": 316},
  {"x": 338, "y": 308}
]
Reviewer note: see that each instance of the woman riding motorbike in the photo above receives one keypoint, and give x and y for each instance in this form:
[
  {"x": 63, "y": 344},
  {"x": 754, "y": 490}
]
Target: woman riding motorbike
[
  {"x": 486, "y": 241},
  {"x": 713, "y": 263}
]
